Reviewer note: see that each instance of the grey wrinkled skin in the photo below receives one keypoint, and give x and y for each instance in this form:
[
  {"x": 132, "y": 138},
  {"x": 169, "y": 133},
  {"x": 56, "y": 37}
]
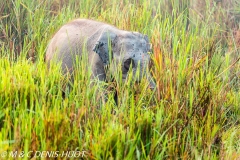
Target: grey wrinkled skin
[{"x": 127, "y": 48}]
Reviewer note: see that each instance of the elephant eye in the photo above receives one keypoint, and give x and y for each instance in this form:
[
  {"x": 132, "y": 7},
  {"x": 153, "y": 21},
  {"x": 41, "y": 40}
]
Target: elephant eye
[
  {"x": 128, "y": 63},
  {"x": 150, "y": 64}
]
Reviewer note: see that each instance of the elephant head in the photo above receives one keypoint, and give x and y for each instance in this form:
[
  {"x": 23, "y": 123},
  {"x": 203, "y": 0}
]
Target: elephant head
[{"x": 129, "y": 49}]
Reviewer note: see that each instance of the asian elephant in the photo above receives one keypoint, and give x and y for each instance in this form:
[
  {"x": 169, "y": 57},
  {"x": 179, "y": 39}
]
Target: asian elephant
[{"x": 104, "y": 44}]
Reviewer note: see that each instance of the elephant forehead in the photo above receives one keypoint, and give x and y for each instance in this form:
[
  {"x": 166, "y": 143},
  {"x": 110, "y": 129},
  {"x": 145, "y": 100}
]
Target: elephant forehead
[{"x": 133, "y": 44}]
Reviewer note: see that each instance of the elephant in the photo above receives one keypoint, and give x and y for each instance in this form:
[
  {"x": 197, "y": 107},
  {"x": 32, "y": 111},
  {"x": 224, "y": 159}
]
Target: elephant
[{"x": 105, "y": 45}]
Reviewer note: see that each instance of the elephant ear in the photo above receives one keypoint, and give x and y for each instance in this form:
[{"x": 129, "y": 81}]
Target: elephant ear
[{"x": 103, "y": 47}]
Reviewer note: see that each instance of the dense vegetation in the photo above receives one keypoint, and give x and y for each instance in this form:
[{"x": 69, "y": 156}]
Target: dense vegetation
[{"x": 194, "y": 112}]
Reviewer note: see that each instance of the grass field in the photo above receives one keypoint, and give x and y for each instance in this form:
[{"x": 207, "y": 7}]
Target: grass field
[{"x": 194, "y": 112}]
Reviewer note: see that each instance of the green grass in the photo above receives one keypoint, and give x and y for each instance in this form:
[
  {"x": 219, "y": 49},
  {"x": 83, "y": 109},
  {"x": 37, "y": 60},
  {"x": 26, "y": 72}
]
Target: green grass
[{"x": 193, "y": 114}]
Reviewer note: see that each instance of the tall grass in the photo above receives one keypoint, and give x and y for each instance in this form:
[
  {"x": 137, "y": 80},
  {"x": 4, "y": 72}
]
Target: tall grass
[{"x": 193, "y": 114}]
